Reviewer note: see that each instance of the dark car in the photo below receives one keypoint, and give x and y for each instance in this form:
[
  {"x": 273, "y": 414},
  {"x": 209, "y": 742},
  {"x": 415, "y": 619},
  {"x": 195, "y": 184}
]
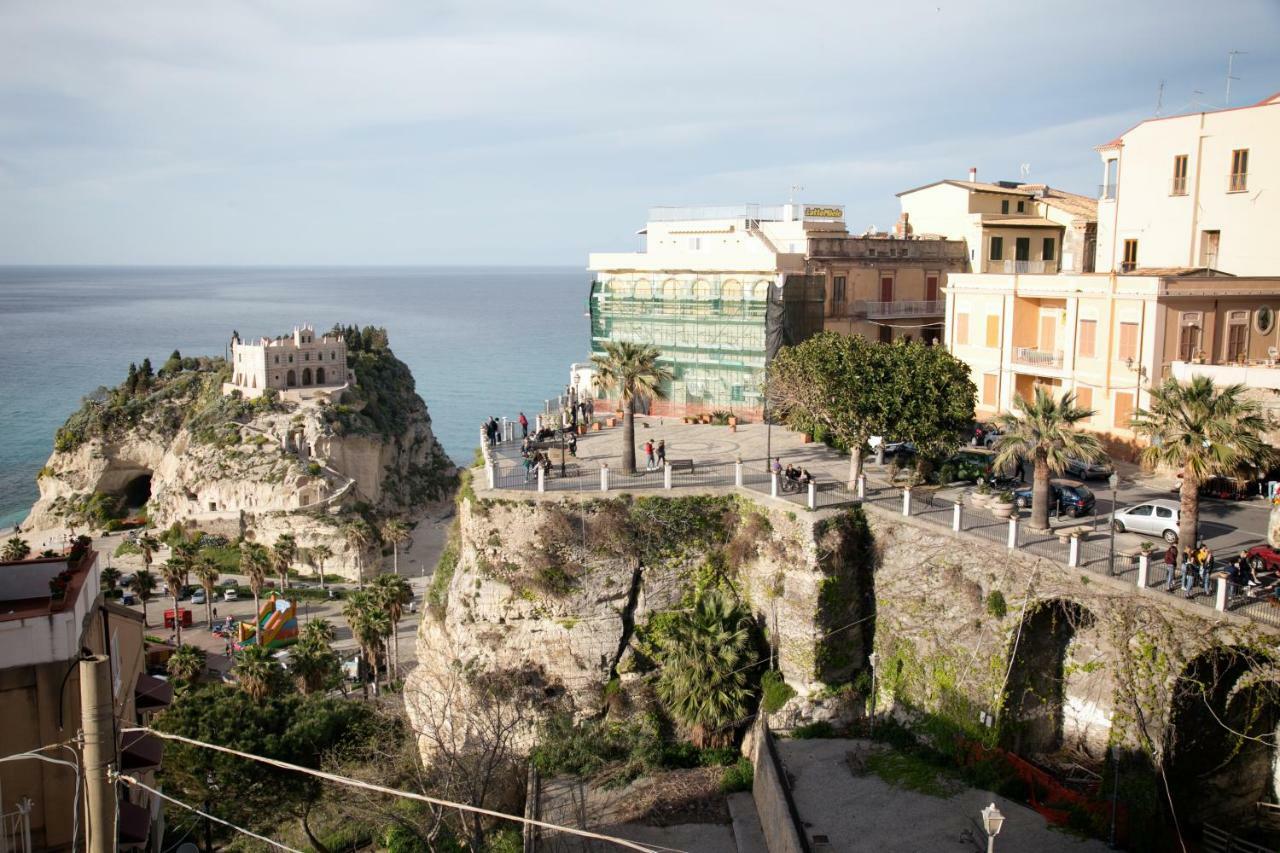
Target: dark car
[
  {"x": 1066, "y": 497},
  {"x": 1083, "y": 469}
]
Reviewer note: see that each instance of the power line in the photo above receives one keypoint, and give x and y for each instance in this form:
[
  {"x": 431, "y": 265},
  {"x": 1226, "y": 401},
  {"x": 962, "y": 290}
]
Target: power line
[
  {"x": 382, "y": 789},
  {"x": 75, "y": 768},
  {"x": 129, "y": 780}
]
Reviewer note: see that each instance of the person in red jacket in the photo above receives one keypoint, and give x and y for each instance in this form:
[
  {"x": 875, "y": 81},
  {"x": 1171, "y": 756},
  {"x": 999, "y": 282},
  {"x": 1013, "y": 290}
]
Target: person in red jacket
[{"x": 524, "y": 426}]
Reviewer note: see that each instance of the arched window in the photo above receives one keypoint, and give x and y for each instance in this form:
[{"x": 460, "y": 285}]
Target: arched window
[
  {"x": 643, "y": 290},
  {"x": 306, "y": 376},
  {"x": 319, "y": 375},
  {"x": 291, "y": 379},
  {"x": 760, "y": 292},
  {"x": 731, "y": 296}
]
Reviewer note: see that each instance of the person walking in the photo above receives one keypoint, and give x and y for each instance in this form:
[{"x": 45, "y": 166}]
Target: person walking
[
  {"x": 662, "y": 452},
  {"x": 524, "y": 426},
  {"x": 648, "y": 455},
  {"x": 1170, "y": 567}
]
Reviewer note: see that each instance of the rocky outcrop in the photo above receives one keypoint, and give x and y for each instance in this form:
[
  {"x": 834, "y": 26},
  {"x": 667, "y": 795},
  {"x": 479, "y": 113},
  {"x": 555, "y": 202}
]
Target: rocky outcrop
[{"x": 197, "y": 457}]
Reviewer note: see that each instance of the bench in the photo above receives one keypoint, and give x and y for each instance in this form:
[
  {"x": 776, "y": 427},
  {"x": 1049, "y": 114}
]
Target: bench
[
  {"x": 680, "y": 465},
  {"x": 1065, "y": 533}
]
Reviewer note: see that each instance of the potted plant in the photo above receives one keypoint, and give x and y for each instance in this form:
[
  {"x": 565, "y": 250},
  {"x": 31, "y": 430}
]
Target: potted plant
[
  {"x": 979, "y": 496},
  {"x": 1147, "y": 548},
  {"x": 807, "y": 438},
  {"x": 1001, "y": 505}
]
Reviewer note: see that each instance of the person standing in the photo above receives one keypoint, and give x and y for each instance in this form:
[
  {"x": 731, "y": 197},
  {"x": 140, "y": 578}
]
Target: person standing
[
  {"x": 524, "y": 426},
  {"x": 648, "y": 455},
  {"x": 1170, "y": 567},
  {"x": 1188, "y": 571},
  {"x": 1204, "y": 557},
  {"x": 662, "y": 452}
]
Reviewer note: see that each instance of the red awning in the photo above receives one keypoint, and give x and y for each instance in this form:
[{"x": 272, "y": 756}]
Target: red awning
[
  {"x": 152, "y": 693},
  {"x": 140, "y": 750}
]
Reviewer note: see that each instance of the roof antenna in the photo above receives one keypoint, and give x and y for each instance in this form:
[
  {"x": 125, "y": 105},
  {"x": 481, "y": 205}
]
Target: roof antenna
[
  {"x": 1231, "y": 61},
  {"x": 1159, "y": 99}
]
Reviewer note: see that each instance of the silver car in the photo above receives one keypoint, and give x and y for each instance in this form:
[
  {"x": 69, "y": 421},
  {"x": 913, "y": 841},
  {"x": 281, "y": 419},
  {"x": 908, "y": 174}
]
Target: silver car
[
  {"x": 1085, "y": 470},
  {"x": 1154, "y": 518}
]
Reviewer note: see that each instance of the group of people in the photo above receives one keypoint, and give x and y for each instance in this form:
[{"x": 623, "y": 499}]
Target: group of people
[
  {"x": 493, "y": 431},
  {"x": 655, "y": 457},
  {"x": 1196, "y": 568},
  {"x": 793, "y": 475}
]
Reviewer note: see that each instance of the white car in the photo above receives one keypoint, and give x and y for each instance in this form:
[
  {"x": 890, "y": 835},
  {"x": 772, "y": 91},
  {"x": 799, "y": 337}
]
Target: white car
[
  {"x": 197, "y": 597},
  {"x": 1154, "y": 518},
  {"x": 231, "y": 595}
]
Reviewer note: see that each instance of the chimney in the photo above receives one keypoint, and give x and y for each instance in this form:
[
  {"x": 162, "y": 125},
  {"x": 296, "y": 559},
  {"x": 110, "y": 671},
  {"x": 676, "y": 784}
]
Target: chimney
[
  {"x": 973, "y": 174},
  {"x": 902, "y": 228}
]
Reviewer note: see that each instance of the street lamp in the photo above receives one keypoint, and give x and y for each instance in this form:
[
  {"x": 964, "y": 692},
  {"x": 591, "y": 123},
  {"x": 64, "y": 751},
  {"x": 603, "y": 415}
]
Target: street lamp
[
  {"x": 1114, "y": 482},
  {"x": 992, "y": 822}
]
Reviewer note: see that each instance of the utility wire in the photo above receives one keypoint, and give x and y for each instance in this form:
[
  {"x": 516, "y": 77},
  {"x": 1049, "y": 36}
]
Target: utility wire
[
  {"x": 129, "y": 780},
  {"x": 75, "y": 768},
  {"x": 382, "y": 789}
]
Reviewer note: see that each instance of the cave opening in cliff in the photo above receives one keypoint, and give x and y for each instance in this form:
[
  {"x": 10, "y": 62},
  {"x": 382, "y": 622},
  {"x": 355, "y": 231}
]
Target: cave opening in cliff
[
  {"x": 1033, "y": 719},
  {"x": 138, "y": 491}
]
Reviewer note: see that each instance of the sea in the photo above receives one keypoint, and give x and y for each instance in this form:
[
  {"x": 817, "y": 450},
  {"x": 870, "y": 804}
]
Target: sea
[{"x": 480, "y": 340}]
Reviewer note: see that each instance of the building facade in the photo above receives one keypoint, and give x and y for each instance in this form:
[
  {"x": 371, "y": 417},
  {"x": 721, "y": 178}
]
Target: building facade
[
  {"x": 299, "y": 365},
  {"x": 41, "y": 638},
  {"x": 1193, "y": 191}
]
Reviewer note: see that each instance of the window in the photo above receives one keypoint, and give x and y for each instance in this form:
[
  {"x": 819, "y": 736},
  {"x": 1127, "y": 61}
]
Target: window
[
  {"x": 993, "y": 331},
  {"x": 837, "y": 290},
  {"x": 1087, "y": 347},
  {"x": 1209, "y": 241},
  {"x": 989, "y": 389},
  {"x": 695, "y": 243},
  {"x": 1164, "y": 512},
  {"x": 962, "y": 329},
  {"x": 1188, "y": 335},
  {"x": 1264, "y": 320},
  {"x": 1239, "y": 181},
  {"x": 1128, "y": 347},
  {"x": 1130, "y": 262},
  {"x": 1110, "y": 171},
  {"x": 1004, "y": 205},
  {"x": 886, "y": 288},
  {"x": 1237, "y": 335},
  {"x": 931, "y": 287},
  {"x": 1084, "y": 399},
  {"x": 1022, "y": 207},
  {"x": 1022, "y": 248},
  {"x": 886, "y": 334},
  {"x": 1144, "y": 510},
  {"x": 1046, "y": 250},
  {"x": 291, "y": 359},
  {"x": 997, "y": 248},
  {"x": 1124, "y": 410},
  {"x": 277, "y": 358},
  {"x": 1179, "y": 186}
]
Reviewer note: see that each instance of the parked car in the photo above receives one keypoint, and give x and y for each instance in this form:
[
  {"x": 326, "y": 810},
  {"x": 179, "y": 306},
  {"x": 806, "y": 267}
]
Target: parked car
[
  {"x": 197, "y": 597},
  {"x": 899, "y": 448},
  {"x": 970, "y": 463},
  {"x": 1264, "y": 558},
  {"x": 1153, "y": 518},
  {"x": 125, "y": 581},
  {"x": 1066, "y": 497},
  {"x": 1223, "y": 488},
  {"x": 231, "y": 595},
  {"x": 127, "y": 598},
  {"x": 1082, "y": 469},
  {"x": 230, "y": 582}
]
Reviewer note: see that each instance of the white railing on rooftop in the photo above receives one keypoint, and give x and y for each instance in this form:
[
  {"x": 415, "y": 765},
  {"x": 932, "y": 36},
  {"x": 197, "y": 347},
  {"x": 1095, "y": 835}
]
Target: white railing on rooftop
[{"x": 901, "y": 308}]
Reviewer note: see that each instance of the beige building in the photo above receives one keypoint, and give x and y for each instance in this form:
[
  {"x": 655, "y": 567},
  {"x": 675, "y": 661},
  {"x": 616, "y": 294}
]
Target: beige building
[
  {"x": 1008, "y": 227},
  {"x": 41, "y": 638},
  {"x": 1192, "y": 191},
  {"x": 299, "y": 366}
]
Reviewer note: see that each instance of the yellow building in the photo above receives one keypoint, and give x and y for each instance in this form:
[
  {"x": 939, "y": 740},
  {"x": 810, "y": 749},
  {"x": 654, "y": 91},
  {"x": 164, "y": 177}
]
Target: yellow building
[{"x": 41, "y": 639}]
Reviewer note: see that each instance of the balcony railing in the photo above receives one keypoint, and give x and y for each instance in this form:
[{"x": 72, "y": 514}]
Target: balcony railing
[
  {"x": 1028, "y": 266},
  {"x": 1037, "y": 357},
  {"x": 900, "y": 308},
  {"x": 1107, "y": 192},
  {"x": 1178, "y": 186},
  {"x": 1237, "y": 182}
]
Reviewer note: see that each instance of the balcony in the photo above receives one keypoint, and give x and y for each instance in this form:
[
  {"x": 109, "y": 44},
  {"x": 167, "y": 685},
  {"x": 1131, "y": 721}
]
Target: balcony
[
  {"x": 1107, "y": 192},
  {"x": 1021, "y": 267},
  {"x": 1238, "y": 182},
  {"x": 1037, "y": 357},
  {"x": 900, "y": 308},
  {"x": 1258, "y": 375},
  {"x": 1178, "y": 186}
]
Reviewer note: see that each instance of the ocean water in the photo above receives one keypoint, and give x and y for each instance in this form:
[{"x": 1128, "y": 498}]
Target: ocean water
[{"x": 479, "y": 340}]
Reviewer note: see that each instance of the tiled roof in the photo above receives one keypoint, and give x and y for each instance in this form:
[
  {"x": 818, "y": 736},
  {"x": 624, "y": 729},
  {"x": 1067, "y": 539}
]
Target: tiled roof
[
  {"x": 1176, "y": 272},
  {"x": 976, "y": 186}
]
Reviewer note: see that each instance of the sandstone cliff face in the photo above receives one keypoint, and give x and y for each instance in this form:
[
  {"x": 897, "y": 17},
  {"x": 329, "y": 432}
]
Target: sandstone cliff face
[{"x": 556, "y": 589}]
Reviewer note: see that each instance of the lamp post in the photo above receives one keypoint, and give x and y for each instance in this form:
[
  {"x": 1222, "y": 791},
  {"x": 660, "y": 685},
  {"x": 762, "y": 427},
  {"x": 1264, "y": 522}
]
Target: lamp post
[
  {"x": 1114, "y": 482},
  {"x": 992, "y": 822}
]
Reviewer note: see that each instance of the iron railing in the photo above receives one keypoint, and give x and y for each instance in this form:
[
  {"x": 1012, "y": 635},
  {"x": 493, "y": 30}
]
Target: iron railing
[
  {"x": 900, "y": 308},
  {"x": 1037, "y": 357}
]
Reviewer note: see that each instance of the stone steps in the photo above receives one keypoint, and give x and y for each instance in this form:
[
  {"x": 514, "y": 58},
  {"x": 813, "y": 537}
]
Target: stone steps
[{"x": 747, "y": 831}]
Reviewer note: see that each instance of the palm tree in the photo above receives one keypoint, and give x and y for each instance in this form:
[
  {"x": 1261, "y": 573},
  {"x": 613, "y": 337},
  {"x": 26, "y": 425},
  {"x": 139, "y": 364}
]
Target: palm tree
[
  {"x": 313, "y": 661},
  {"x": 256, "y": 670},
  {"x": 631, "y": 371},
  {"x": 1204, "y": 431},
  {"x": 253, "y": 565},
  {"x": 370, "y": 626},
  {"x": 359, "y": 536},
  {"x": 147, "y": 545},
  {"x": 320, "y": 553},
  {"x": 317, "y": 631},
  {"x": 704, "y": 658},
  {"x": 186, "y": 664},
  {"x": 174, "y": 574},
  {"x": 396, "y": 532},
  {"x": 206, "y": 571},
  {"x": 1045, "y": 433},
  {"x": 16, "y": 548},
  {"x": 393, "y": 593},
  {"x": 144, "y": 584},
  {"x": 283, "y": 553},
  {"x": 110, "y": 577}
]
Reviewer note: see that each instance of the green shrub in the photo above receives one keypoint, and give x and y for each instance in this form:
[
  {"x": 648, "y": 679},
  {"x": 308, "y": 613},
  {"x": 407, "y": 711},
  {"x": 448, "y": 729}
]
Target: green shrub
[
  {"x": 814, "y": 731},
  {"x": 996, "y": 604},
  {"x": 127, "y": 547},
  {"x": 775, "y": 692},
  {"x": 314, "y": 469},
  {"x": 738, "y": 777}
]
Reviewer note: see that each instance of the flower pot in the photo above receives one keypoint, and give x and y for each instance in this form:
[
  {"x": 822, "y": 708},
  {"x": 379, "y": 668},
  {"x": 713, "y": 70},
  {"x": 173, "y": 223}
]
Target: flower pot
[
  {"x": 611, "y": 422},
  {"x": 706, "y": 419},
  {"x": 582, "y": 429},
  {"x": 733, "y": 422},
  {"x": 977, "y": 499},
  {"x": 1001, "y": 509},
  {"x": 806, "y": 438},
  {"x": 595, "y": 426}
]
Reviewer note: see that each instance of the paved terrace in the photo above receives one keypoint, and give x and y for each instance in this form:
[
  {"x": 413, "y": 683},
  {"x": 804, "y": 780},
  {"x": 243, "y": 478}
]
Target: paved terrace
[{"x": 726, "y": 459}]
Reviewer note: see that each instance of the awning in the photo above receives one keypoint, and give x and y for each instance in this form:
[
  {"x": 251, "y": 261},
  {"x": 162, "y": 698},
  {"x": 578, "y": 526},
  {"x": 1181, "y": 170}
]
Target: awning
[
  {"x": 152, "y": 693},
  {"x": 135, "y": 823},
  {"x": 140, "y": 750}
]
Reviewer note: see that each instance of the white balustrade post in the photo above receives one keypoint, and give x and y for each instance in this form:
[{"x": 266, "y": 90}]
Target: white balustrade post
[
  {"x": 957, "y": 517},
  {"x": 1144, "y": 566},
  {"x": 505, "y": 429},
  {"x": 737, "y": 473},
  {"x": 773, "y": 484},
  {"x": 542, "y": 479},
  {"x": 490, "y": 473},
  {"x": 1073, "y": 555},
  {"x": 666, "y": 476},
  {"x": 1220, "y": 600},
  {"x": 862, "y": 487},
  {"x": 813, "y": 495},
  {"x": 604, "y": 477},
  {"x": 906, "y": 501},
  {"x": 1013, "y": 531}
]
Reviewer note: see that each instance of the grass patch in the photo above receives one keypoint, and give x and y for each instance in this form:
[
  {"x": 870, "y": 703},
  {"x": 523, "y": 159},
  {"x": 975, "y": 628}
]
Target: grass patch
[
  {"x": 913, "y": 773},
  {"x": 776, "y": 692},
  {"x": 738, "y": 777},
  {"x": 813, "y": 731}
]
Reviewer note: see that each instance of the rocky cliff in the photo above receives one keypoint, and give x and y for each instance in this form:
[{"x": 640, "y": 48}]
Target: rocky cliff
[{"x": 172, "y": 445}]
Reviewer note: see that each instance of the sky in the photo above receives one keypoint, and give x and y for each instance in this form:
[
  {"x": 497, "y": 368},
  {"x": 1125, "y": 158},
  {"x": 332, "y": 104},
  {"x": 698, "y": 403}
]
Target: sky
[{"x": 335, "y": 132}]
